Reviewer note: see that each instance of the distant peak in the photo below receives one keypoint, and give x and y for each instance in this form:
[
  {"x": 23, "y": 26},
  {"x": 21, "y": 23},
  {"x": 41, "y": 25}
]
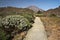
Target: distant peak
[{"x": 35, "y": 8}]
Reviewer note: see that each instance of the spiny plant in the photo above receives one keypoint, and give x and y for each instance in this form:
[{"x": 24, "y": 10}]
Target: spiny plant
[
  {"x": 13, "y": 24},
  {"x": 15, "y": 20}
]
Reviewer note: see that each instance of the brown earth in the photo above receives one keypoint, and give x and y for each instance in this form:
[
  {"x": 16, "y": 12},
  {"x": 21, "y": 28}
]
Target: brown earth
[{"x": 52, "y": 26}]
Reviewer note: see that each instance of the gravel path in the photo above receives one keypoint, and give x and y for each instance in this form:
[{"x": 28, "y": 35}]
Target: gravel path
[{"x": 37, "y": 32}]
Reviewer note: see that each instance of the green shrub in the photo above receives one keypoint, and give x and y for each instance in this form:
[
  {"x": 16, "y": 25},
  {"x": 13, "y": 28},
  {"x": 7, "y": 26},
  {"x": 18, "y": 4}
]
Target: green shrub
[
  {"x": 52, "y": 15},
  {"x": 0, "y": 22},
  {"x": 29, "y": 16},
  {"x": 40, "y": 15},
  {"x": 2, "y": 35},
  {"x": 39, "y": 12},
  {"x": 13, "y": 24},
  {"x": 15, "y": 20}
]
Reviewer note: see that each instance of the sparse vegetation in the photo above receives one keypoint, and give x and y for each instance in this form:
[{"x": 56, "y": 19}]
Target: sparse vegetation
[
  {"x": 53, "y": 12},
  {"x": 52, "y": 26},
  {"x": 40, "y": 15},
  {"x": 52, "y": 15}
]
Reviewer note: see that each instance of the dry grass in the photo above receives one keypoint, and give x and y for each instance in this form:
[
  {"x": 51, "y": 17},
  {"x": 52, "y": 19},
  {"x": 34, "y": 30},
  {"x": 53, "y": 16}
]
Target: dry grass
[{"x": 52, "y": 25}]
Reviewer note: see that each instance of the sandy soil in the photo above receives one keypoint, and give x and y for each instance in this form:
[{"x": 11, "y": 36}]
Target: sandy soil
[{"x": 37, "y": 32}]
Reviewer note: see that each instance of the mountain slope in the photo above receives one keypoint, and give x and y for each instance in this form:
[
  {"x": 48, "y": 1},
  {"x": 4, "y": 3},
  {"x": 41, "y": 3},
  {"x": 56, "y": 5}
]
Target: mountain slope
[
  {"x": 35, "y": 9},
  {"x": 55, "y": 11},
  {"x": 13, "y": 10}
]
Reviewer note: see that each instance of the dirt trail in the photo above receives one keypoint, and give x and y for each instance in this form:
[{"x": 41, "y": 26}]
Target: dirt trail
[{"x": 37, "y": 32}]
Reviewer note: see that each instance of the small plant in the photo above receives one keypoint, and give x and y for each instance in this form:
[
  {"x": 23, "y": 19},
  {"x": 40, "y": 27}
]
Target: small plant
[
  {"x": 0, "y": 22},
  {"x": 39, "y": 12},
  {"x": 2, "y": 35},
  {"x": 52, "y": 15},
  {"x": 29, "y": 16}
]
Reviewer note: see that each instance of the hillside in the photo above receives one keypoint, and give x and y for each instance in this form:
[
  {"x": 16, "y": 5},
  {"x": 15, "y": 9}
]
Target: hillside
[
  {"x": 13, "y": 10},
  {"x": 35, "y": 9},
  {"x": 55, "y": 11}
]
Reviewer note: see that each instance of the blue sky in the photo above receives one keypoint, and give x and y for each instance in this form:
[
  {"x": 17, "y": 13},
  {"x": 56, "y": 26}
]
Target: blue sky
[{"x": 43, "y": 4}]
